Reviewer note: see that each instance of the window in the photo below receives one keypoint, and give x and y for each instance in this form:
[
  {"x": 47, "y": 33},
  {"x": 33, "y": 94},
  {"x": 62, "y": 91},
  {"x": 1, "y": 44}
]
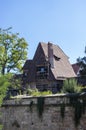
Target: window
[
  {"x": 42, "y": 72},
  {"x": 57, "y": 58},
  {"x": 25, "y": 73}
]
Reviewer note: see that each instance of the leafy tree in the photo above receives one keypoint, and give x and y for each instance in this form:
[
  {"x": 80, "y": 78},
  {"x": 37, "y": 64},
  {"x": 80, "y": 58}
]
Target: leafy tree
[
  {"x": 16, "y": 82},
  {"x": 13, "y": 51},
  {"x": 4, "y": 84},
  {"x": 82, "y": 63}
]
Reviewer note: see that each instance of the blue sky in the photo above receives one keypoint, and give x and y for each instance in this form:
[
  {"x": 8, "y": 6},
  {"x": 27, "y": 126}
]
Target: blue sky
[{"x": 62, "y": 22}]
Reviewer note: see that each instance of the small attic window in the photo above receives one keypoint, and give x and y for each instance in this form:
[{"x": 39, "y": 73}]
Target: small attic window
[{"x": 57, "y": 58}]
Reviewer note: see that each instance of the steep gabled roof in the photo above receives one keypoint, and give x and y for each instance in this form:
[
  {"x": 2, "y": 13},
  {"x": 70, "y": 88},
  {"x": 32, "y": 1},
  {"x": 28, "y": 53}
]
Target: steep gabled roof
[
  {"x": 56, "y": 49},
  {"x": 39, "y": 57},
  {"x": 76, "y": 68},
  {"x": 62, "y": 67},
  {"x": 29, "y": 68},
  {"x": 26, "y": 65}
]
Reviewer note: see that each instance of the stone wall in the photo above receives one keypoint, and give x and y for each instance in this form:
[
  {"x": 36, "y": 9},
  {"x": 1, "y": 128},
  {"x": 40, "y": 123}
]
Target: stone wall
[{"x": 23, "y": 114}]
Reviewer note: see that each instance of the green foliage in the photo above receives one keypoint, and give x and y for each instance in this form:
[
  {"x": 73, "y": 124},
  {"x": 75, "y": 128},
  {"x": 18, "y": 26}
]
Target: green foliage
[
  {"x": 62, "y": 110},
  {"x": 35, "y": 92},
  {"x": 15, "y": 123},
  {"x": 79, "y": 105},
  {"x": 16, "y": 82},
  {"x": 13, "y": 51},
  {"x": 40, "y": 100},
  {"x": 1, "y": 126},
  {"x": 82, "y": 63},
  {"x": 4, "y": 84},
  {"x": 78, "y": 112},
  {"x": 31, "y": 105},
  {"x": 46, "y": 93},
  {"x": 71, "y": 86},
  {"x": 40, "y": 106}
]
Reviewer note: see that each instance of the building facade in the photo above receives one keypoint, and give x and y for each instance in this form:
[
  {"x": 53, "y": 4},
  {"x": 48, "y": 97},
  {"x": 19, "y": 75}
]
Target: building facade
[{"x": 48, "y": 68}]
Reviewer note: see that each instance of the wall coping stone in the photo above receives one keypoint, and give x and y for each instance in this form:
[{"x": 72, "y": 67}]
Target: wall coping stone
[{"x": 56, "y": 99}]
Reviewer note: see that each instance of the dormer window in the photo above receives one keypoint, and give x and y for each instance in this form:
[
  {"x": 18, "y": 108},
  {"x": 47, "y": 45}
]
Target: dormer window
[{"x": 57, "y": 58}]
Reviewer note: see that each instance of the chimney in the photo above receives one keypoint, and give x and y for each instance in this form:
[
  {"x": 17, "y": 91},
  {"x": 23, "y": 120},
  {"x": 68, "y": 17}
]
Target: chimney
[{"x": 50, "y": 54}]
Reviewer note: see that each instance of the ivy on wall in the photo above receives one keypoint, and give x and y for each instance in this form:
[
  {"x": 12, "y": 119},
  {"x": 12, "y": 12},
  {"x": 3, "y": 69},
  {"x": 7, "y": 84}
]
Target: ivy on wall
[
  {"x": 15, "y": 123},
  {"x": 77, "y": 102},
  {"x": 79, "y": 105},
  {"x": 62, "y": 109},
  {"x": 31, "y": 106},
  {"x": 40, "y": 106}
]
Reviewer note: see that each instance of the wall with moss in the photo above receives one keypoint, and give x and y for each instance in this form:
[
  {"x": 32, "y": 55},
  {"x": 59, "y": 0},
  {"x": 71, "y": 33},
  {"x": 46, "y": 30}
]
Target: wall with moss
[{"x": 61, "y": 112}]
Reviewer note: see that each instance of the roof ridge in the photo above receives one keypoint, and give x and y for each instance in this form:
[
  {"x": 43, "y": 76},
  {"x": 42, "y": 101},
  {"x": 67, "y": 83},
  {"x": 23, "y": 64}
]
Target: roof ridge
[{"x": 54, "y": 45}]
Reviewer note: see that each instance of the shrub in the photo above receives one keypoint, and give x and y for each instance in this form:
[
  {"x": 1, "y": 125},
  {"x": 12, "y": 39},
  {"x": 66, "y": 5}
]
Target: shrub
[
  {"x": 35, "y": 92},
  {"x": 46, "y": 93},
  {"x": 71, "y": 86},
  {"x": 32, "y": 92}
]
